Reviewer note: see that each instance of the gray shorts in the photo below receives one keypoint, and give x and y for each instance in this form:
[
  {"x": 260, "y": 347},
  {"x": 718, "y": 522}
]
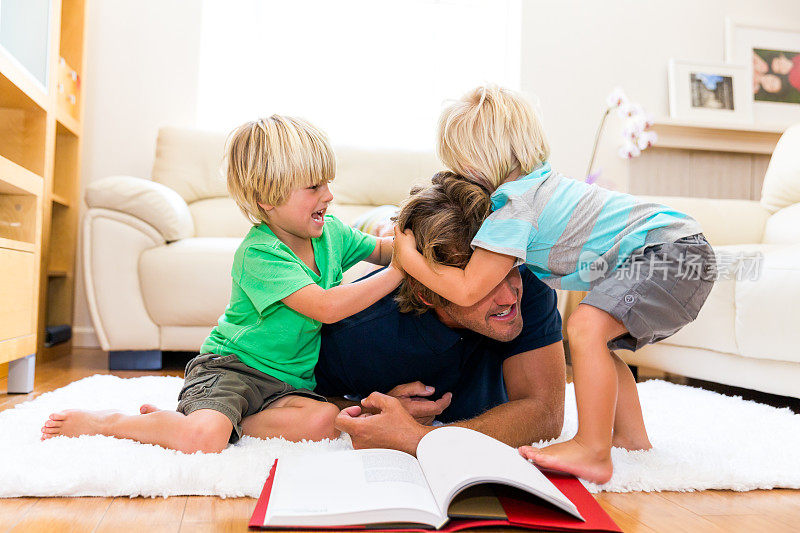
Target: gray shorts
[
  {"x": 657, "y": 290},
  {"x": 225, "y": 384}
]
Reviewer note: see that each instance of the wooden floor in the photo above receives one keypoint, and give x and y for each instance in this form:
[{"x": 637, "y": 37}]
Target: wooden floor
[{"x": 719, "y": 511}]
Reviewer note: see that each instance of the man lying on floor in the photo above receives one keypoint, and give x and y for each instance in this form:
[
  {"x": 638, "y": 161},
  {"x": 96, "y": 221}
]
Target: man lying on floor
[{"x": 496, "y": 367}]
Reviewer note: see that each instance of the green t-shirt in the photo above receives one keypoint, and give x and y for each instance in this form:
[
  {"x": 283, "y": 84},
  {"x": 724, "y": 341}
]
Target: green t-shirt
[{"x": 257, "y": 327}]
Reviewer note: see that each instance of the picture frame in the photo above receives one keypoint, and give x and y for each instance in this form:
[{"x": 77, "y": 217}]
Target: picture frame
[
  {"x": 710, "y": 93},
  {"x": 772, "y": 54}
]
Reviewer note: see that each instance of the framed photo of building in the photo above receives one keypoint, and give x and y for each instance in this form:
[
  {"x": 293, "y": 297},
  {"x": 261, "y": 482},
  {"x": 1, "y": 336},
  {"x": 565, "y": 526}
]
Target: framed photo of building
[
  {"x": 711, "y": 93},
  {"x": 773, "y": 57}
]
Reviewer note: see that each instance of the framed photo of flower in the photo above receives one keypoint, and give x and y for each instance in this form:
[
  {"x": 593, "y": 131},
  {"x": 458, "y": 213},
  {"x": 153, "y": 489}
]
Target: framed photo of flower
[
  {"x": 711, "y": 93},
  {"x": 773, "y": 57}
]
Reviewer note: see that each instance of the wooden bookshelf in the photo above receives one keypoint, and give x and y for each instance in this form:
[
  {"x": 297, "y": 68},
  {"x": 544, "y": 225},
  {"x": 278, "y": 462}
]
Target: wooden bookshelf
[
  {"x": 62, "y": 179},
  {"x": 21, "y": 200},
  {"x": 40, "y": 143}
]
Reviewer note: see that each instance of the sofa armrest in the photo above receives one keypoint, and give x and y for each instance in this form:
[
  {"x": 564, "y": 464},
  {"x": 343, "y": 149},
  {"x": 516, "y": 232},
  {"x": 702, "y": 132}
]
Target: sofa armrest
[
  {"x": 782, "y": 227},
  {"x": 155, "y": 204},
  {"x": 723, "y": 221},
  {"x": 113, "y": 243}
]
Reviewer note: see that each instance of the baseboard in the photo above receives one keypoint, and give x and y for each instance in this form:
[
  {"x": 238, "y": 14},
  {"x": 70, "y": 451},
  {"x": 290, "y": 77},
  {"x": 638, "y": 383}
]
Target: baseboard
[{"x": 84, "y": 337}]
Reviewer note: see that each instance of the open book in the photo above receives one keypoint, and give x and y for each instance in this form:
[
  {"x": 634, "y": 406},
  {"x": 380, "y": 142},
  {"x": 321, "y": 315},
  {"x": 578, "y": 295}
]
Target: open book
[{"x": 392, "y": 489}]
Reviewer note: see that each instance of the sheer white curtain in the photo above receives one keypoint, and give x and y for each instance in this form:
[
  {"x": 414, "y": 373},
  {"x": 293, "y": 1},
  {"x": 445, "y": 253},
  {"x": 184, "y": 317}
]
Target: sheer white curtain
[{"x": 372, "y": 73}]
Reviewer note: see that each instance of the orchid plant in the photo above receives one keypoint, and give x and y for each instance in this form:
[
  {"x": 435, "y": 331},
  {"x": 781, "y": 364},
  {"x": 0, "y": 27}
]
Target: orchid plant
[{"x": 636, "y": 136}]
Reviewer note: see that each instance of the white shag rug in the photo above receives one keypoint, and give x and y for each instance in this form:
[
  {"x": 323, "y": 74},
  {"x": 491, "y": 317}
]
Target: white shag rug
[{"x": 702, "y": 440}]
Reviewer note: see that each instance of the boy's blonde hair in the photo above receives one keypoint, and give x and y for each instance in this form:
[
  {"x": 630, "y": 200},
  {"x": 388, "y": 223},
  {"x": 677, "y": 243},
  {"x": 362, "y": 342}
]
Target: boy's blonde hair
[
  {"x": 270, "y": 157},
  {"x": 489, "y": 133}
]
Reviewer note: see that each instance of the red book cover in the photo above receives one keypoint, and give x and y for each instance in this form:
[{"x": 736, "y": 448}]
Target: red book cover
[{"x": 521, "y": 513}]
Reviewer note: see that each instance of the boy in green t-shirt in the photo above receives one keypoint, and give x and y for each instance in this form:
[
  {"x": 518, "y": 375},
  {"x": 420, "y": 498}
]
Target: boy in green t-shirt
[{"x": 255, "y": 374}]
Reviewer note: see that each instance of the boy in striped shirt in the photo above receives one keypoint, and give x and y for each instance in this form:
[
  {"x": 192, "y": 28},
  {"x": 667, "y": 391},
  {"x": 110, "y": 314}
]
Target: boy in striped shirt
[{"x": 648, "y": 268}]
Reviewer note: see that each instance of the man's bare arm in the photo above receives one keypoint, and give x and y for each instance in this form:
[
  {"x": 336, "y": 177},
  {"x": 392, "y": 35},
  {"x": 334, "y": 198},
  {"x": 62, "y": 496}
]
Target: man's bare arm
[
  {"x": 535, "y": 410},
  {"x": 413, "y": 398}
]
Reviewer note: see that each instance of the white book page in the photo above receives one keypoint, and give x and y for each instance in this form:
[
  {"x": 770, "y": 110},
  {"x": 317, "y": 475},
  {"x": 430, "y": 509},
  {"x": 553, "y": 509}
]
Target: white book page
[
  {"x": 454, "y": 458},
  {"x": 351, "y": 487}
]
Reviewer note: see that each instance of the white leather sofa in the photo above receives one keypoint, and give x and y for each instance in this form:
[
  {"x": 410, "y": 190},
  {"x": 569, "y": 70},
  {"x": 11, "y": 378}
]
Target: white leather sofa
[
  {"x": 745, "y": 334},
  {"x": 158, "y": 252}
]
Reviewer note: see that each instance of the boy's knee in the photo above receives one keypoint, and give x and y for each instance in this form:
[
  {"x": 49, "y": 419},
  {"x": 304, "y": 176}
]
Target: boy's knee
[
  {"x": 203, "y": 437},
  {"x": 320, "y": 422},
  {"x": 588, "y": 324},
  {"x": 580, "y": 325}
]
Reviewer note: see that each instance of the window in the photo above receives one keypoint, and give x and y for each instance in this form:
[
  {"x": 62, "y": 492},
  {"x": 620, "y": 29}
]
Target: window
[{"x": 371, "y": 73}]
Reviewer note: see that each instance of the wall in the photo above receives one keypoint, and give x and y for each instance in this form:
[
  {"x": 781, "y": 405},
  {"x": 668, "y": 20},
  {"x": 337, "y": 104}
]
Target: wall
[
  {"x": 143, "y": 57},
  {"x": 141, "y": 73},
  {"x": 374, "y": 85},
  {"x": 575, "y": 52}
]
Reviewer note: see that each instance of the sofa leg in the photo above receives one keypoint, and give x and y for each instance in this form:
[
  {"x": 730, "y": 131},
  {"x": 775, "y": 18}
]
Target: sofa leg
[
  {"x": 21, "y": 374},
  {"x": 134, "y": 360}
]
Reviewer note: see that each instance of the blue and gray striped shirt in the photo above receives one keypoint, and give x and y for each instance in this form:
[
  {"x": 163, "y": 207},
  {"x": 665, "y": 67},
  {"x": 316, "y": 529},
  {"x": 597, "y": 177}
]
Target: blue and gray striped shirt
[{"x": 571, "y": 234}]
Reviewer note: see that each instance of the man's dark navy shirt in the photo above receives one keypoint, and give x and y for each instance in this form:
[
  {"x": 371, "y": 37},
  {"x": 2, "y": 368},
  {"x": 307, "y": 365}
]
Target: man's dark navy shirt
[{"x": 380, "y": 348}]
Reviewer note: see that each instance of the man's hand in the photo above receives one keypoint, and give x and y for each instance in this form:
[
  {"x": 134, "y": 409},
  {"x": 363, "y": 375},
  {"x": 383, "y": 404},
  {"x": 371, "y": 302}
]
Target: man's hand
[
  {"x": 412, "y": 398},
  {"x": 392, "y": 427}
]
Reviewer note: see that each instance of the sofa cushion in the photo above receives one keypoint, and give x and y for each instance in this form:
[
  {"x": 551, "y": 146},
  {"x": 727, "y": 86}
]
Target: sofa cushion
[
  {"x": 187, "y": 283},
  {"x": 218, "y": 217},
  {"x": 377, "y": 221},
  {"x": 714, "y": 216},
  {"x": 714, "y": 327},
  {"x": 190, "y": 162},
  {"x": 784, "y": 226},
  {"x": 719, "y": 324},
  {"x": 376, "y": 177},
  {"x": 349, "y": 213},
  {"x": 766, "y": 321}
]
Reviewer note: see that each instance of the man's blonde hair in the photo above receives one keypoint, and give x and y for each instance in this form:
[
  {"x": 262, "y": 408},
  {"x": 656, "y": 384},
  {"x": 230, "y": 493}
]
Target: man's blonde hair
[
  {"x": 444, "y": 218},
  {"x": 270, "y": 157},
  {"x": 489, "y": 133}
]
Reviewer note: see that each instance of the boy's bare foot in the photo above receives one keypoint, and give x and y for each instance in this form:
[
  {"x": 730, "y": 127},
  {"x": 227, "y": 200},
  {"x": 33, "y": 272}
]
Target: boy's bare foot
[
  {"x": 148, "y": 408},
  {"x": 75, "y": 422},
  {"x": 574, "y": 458},
  {"x": 631, "y": 443}
]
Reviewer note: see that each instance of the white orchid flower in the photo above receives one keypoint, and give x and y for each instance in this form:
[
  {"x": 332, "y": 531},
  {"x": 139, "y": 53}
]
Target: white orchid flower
[
  {"x": 629, "y": 150},
  {"x": 632, "y": 130},
  {"x": 630, "y": 110},
  {"x": 616, "y": 98},
  {"x": 646, "y": 139},
  {"x": 635, "y": 136},
  {"x": 639, "y": 122}
]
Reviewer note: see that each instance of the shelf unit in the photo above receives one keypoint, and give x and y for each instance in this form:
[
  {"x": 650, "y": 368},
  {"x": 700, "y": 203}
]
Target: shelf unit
[
  {"x": 62, "y": 183},
  {"x": 717, "y": 137},
  {"x": 21, "y": 205},
  {"x": 40, "y": 144},
  {"x": 704, "y": 160}
]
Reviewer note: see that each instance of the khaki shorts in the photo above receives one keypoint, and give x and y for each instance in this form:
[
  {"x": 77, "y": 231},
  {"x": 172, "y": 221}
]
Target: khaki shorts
[
  {"x": 225, "y": 384},
  {"x": 657, "y": 291}
]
